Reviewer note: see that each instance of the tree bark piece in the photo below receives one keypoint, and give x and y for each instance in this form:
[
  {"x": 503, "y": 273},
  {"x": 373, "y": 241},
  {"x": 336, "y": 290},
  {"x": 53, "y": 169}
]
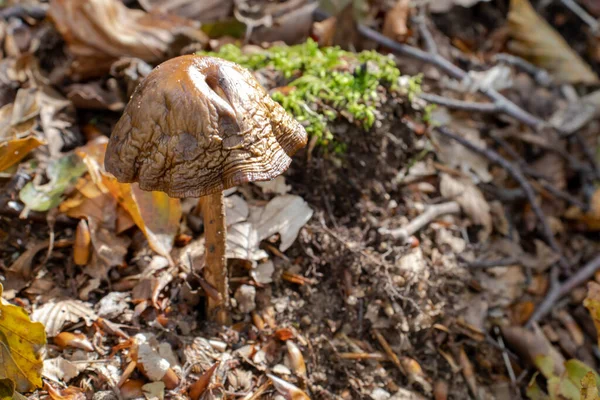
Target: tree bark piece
[{"x": 215, "y": 271}]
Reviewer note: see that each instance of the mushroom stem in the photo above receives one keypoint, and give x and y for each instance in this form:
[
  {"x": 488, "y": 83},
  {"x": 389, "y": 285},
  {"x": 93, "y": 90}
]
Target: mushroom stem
[{"x": 215, "y": 271}]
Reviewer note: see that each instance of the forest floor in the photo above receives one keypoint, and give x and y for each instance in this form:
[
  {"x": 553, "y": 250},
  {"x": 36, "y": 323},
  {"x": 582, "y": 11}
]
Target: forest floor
[{"x": 437, "y": 238}]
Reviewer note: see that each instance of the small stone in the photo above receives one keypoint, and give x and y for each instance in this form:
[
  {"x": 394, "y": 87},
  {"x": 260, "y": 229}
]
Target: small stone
[
  {"x": 380, "y": 394},
  {"x": 245, "y": 296},
  {"x": 105, "y": 395}
]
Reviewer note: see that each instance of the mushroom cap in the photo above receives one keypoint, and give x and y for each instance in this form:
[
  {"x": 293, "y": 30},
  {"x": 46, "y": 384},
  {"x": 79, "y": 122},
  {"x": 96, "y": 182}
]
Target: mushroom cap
[{"x": 198, "y": 125}]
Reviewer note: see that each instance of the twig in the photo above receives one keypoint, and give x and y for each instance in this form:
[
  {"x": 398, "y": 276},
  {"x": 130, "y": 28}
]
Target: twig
[
  {"x": 428, "y": 41},
  {"x": 588, "y": 153},
  {"x": 517, "y": 175},
  {"x": 503, "y": 104},
  {"x": 483, "y": 264},
  {"x": 582, "y": 14},
  {"x": 388, "y": 350},
  {"x": 540, "y": 75},
  {"x": 432, "y": 212},
  {"x": 20, "y": 11},
  {"x": 459, "y": 104},
  {"x": 543, "y": 179},
  {"x": 557, "y": 291}
]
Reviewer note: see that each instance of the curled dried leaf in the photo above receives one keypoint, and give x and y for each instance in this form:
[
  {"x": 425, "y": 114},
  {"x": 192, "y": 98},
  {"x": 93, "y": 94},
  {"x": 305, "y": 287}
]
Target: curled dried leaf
[{"x": 534, "y": 39}]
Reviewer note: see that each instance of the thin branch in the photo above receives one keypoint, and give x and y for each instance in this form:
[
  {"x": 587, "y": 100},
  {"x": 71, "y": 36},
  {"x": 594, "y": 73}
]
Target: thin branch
[
  {"x": 459, "y": 104},
  {"x": 558, "y": 291},
  {"x": 432, "y": 212},
  {"x": 544, "y": 183},
  {"x": 518, "y": 176},
  {"x": 582, "y": 14},
  {"x": 541, "y": 76},
  {"x": 503, "y": 104}
]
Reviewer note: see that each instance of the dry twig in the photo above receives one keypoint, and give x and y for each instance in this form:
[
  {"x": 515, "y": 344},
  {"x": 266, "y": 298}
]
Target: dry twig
[
  {"x": 431, "y": 212},
  {"x": 559, "y": 290},
  {"x": 518, "y": 176}
]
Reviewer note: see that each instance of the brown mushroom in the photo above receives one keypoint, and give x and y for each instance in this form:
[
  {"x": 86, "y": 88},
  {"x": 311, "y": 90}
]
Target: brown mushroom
[{"x": 194, "y": 127}]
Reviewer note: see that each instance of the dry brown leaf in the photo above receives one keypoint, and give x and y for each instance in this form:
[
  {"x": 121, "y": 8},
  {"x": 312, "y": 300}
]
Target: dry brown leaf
[
  {"x": 98, "y": 32},
  {"x": 69, "y": 393},
  {"x": 470, "y": 199},
  {"x": 394, "y": 25},
  {"x": 535, "y": 348},
  {"x": 537, "y": 41},
  {"x": 55, "y": 314},
  {"x": 442, "y": 6},
  {"x": 156, "y": 214},
  {"x": 591, "y": 218},
  {"x": 203, "y": 11}
]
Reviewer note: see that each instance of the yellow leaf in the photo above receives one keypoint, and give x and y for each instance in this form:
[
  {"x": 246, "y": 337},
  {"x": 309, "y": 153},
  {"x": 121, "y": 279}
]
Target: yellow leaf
[
  {"x": 7, "y": 389},
  {"x": 20, "y": 343},
  {"x": 537, "y": 41},
  {"x": 13, "y": 151},
  {"x": 155, "y": 213},
  {"x": 589, "y": 388},
  {"x": 592, "y": 303}
]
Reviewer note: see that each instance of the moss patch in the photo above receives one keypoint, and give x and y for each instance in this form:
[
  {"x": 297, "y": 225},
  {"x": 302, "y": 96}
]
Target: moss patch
[{"x": 325, "y": 84}]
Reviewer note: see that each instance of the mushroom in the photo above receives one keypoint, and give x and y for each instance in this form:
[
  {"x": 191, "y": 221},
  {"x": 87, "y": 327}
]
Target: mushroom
[{"x": 194, "y": 127}]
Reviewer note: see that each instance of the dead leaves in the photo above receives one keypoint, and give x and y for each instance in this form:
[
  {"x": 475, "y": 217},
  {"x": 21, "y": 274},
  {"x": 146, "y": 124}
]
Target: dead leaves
[
  {"x": 470, "y": 199},
  {"x": 55, "y": 314},
  {"x": 285, "y": 215},
  {"x": 535, "y": 40},
  {"x": 98, "y": 32},
  {"x": 592, "y": 303},
  {"x": 155, "y": 213},
  {"x": 20, "y": 343}
]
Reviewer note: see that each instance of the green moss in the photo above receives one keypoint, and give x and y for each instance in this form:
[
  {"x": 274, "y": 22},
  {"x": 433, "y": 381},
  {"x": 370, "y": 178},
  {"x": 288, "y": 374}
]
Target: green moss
[{"x": 325, "y": 84}]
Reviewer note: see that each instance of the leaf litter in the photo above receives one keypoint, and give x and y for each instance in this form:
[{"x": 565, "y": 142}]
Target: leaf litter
[{"x": 317, "y": 285}]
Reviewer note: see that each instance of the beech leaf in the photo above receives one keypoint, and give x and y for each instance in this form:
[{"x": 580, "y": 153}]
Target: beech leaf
[
  {"x": 537, "y": 41},
  {"x": 20, "y": 343}
]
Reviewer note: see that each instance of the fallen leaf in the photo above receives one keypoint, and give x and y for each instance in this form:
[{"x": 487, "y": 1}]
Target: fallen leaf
[
  {"x": 471, "y": 201},
  {"x": 206, "y": 10},
  {"x": 537, "y": 41},
  {"x": 394, "y": 24},
  {"x": 61, "y": 173},
  {"x": 535, "y": 348},
  {"x": 285, "y": 215},
  {"x": 98, "y": 32},
  {"x": 589, "y": 387},
  {"x": 277, "y": 185},
  {"x": 442, "y": 6},
  {"x": 7, "y": 389},
  {"x": 20, "y": 343},
  {"x": 590, "y": 218},
  {"x": 236, "y": 209},
  {"x": 592, "y": 303},
  {"x": 156, "y": 214},
  {"x": 456, "y": 155},
  {"x": 14, "y": 150},
  {"x": 55, "y": 314},
  {"x": 568, "y": 385},
  {"x": 69, "y": 393},
  {"x": 533, "y": 391},
  {"x": 61, "y": 370}
]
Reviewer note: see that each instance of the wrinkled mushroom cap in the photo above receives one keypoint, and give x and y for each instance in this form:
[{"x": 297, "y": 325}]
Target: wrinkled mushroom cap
[{"x": 198, "y": 125}]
